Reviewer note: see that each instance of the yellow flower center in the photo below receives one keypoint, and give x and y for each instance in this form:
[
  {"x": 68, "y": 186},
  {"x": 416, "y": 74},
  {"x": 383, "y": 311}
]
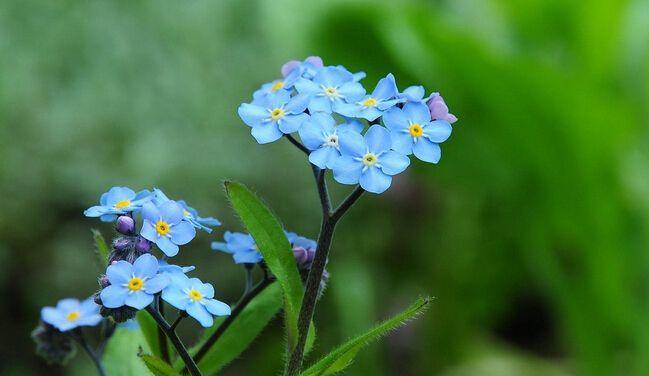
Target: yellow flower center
[
  {"x": 331, "y": 91},
  {"x": 415, "y": 130},
  {"x": 369, "y": 159},
  {"x": 73, "y": 316},
  {"x": 122, "y": 204},
  {"x": 162, "y": 227},
  {"x": 370, "y": 102},
  {"x": 277, "y": 114},
  {"x": 135, "y": 284},
  {"x": 186, "y": 213},
  {"x": 278, "y": 85},
  {"x": 194, "y": 295}
]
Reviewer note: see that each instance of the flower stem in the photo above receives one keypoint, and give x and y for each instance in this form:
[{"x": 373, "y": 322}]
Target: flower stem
[
  {"x": 91, "y": 353},
  {"x": 162, "y": 338},
  {"x": 247, "y": 298},
  {"x": 175, "y": 340}
]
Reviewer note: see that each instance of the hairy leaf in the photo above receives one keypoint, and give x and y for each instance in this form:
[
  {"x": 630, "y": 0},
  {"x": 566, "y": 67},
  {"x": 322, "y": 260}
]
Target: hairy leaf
[
  {"x": 157, "y": 366},
  {"x": 101, "y": 247}
]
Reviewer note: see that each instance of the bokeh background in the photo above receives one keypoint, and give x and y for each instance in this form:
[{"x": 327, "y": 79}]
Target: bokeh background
[{"x": 531, "y": 233}]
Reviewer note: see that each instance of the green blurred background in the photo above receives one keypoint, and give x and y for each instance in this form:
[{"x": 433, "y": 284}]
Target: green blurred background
[{"x": 531, "y": 233}]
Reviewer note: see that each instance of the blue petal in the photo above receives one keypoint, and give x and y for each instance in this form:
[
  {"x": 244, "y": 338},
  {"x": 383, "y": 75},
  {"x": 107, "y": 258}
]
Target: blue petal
[
  {"x": 414, "y": 93},
  {"x": 385, "y": 105},
  {"x": 417, "y": 112},
  {"x": 52, "y": 316},
  {"x": 197, "y": 311},
  {"x": 171, "y": 212},
  {"x": 267, "y": 132},
  {"x": 89, "y": 319},
  {"x": 156, "y": 284},
  {"x": 347, "y": 109},
  {"x": 204, "y": 288},
  {"x": 304, "y": 86},
  {"x": 386, "y": 88},
  {"x": 311, "y": 133},
  {"x": 89, "y": 307},
  {"x": 150, "y": 212},
  {"x": 352, "y": 144},
  {"x": 119, "y": 272},
  {"x": 297, "y": 104},
  {"x": 220, "y": 246},
  {"x": 138, "y": 299},
  {"x": 353, "y": 91},
  {"x": 108, "y": 217},
  {"x": 113, "y": 296},
  {"x": 182, "y": 233},
  {"x": 320, "y": 104},
  {"x": 438, "y": 131},
  {"x": 117, "y": 194},
  {"x": 159, "y": 197},
  {"x": 175, "y": 296},
  {"x": 96, "y": 211},
  {"x": 332, "y": 76},
  {"x": 247, "y": 257},
  {"x": 401, "y": 142},
  {"x": 375, "y": 181},
  {"x": 166, "y": 246},
  {"x": 378, "y": 139},
  {"x": 427, "y": 151},
  {"x": 347, "y": 170},
  {"x": 251, "y": 114},
  {"x": 217, "y": 308},
  {"x": 278, "y": 99},
  {"x": 148, "y": 231},
  {"x": 324, "y": 157},
  {"x": 352, "y": 125},
  {"x": 393, "y": 163},
  {"x": 292, "y": 123},
  {"x": 238, "y": 241},
  {"x": 146, "y": 266},
  {"x": 395, "y": 119}
]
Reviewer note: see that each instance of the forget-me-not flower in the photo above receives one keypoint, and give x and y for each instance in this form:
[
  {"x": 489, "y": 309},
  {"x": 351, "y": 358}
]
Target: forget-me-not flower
[
  {"x": 165, "y": 226},
  {"x": 414, "y": 94},
  {"x": 372, "y": 106},
  {"x": 118, "y": 200},
  {"x": 274, "y": 115},
  {"x": 412, "y": 131},
  {"x": 134, "y": 284},
  {"x": 72, "y": 313},
  {"x": 241, "y": 246},
  {"x": 307, "y": 68},
  {"x": 173, "y": 270},
  {"x": 368, "y": 161},
  {"x": 189, "y": 214},
  {"x": 330, "y": 87},
  {"x": 196, "y": 298},
  {"x": 320, "y": 135}
]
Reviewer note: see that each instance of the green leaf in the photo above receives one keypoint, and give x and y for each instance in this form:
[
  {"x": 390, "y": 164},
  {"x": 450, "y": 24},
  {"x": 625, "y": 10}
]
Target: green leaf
[
  {"x": 157, "y": 366},
  {"x": 340, "y": 358},
  {"x": 120, "y": 357},
  {"x": 149, "y": 330},
  {"x": 242, "y": 331},
  {"x": 274, "y": 246},
  {"x": 100, "y": 247}
]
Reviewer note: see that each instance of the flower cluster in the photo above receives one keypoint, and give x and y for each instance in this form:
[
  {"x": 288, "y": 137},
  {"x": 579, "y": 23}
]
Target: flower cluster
[{"x": 329, "y": 109}]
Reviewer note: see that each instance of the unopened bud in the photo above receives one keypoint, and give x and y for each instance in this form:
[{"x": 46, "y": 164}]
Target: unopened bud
[
  {"x": 142, "y": 245},
  {"x": 125, "y": 225}
]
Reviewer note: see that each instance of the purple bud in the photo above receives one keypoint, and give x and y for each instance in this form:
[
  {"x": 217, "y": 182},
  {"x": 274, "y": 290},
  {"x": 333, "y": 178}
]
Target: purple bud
[
  {"x": 289, "y": 66},
  {"x": 439, "y": 110},
  {"x": 120, "y": 244},
  {"x": 103, "y": 281},
  {"x": 125, "y": 225},
  {"x": 142, "y": 245},
  {"x": 301, "y": 255}
]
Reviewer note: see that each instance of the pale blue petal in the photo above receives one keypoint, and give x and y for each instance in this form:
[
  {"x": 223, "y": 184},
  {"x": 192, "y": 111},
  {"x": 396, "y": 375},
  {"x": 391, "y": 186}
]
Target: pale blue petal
[
  {"x": 146, "y": 266},
  {"x": 156, "y": 284},
  {"x": 324, "y": 157},
  {"x": 414, "y": 93},
  {"x": 182, "y": 233},
  {"x": 52, "y": 316},
  {"x": 205, "y": 288},
  {"x": 95, "y": 211},
  {"x": 68, "y": 305},
  {"x": 217, "y": 308},
  {"x": 292, "y": 123},
  {"x": 393, "y": 163},
  {"x": 89, "y": 307},
  {"x": 278, "y": 98},
  {"x": 395, "y": 119},
  {"x": 148, "y": 231},
  {"x": 332, "y": 76},
  {"x": 138, "y": 299},
  {"x": 166, "y": 246},
  {"x": 304, "y": 86},
  {"x": 311, "y": 134},
  {"x": 347, "y": 170},
  {"x": 171, "y": 212},
  {"x": 352, "y": 125},
  {"x": 119, "y": 272},
  {"x": 297, "y": 104},
  {"x": 150, "y": 212},
  {"x": 375, "y": 181},
  {"x": 370, "y": 113},
  {"x": 352, "y": 144},
  {"x": 438, "y": 131},
  {"x": 416, "y": 112},
  {"x": 401, "y": 142},
  {"x": 347, "y": 109},
  {"x": 176, "y": 297},
  {"x": 89, "y": 320},
  {"x": 386, "y": 88},
  {"x": 113, "y": 296},
  {"x": 267, "y": 132},
  {"x": 377, "y": 139},
  {"x": 427, "y": 151},
  {"x": 117, "y": 194},
  {"x": 247, "y": 257},
  {"x": 220, "y": 246},
  {"x": 197, "y": 311},
  {"x": 251, "y": 114},
  {"x": 353, "y": 91},
  {"x": 384, "y": 105},
  {"x": 320, "y": 104},
  {"x": 108, "y": 217}
]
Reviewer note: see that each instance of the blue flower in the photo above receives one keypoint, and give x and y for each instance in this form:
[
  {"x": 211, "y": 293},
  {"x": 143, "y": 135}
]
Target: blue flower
[
  {"x": 307, "y": 68},
  {"x": 414, "y": 94},
  {"x": 196, "y": 298},
  {"x": 272, "y": 87},
  {"x": 118, "y": 200},
  {"x": 164, "y": 225},
  {"x": 165, "y": 267},
  {"x": 330, "y": 86},
  {"x": 372, "y": 106},
  {"x": 368, "y": 160},
  {"x": 72, "y": 313},
  {"x": 274, "y": 115},
  {"x": 134, "y": 284},
  {"x": 189, "y": 214},
  {"x": 320, "y": 135},
  {"x": 241, "y": 246},
  {"x": 412, "y": 131}
]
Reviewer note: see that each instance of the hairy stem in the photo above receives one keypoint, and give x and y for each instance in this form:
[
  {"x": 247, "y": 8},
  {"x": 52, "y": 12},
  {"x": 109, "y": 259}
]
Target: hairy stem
[
  {"x": 175, "y": 340},
  {"x": 91, "y": 353},
  {"x": 162, "y": 338}
]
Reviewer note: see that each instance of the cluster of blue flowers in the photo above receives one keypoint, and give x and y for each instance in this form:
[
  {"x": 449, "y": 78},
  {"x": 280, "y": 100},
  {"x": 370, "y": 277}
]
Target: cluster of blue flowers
[{"x": 329, "y": 109}]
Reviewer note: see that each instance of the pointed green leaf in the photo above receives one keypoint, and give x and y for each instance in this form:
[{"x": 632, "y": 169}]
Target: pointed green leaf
[
  {"x": 242, "y": 331},
  {"x": 340, "y": 358},
  {"x": 120, "y": 357},
  {"x": 100, "y": 247},
  {"x": 274, "y": 246},
  {"x": 157, "y": 366},
  {"x": 149, "y": 329}
]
